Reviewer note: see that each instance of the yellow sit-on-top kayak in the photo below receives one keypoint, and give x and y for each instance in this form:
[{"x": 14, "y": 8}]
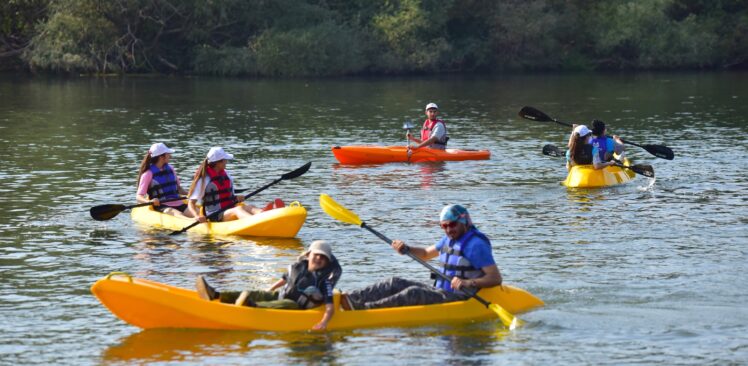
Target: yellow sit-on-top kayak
[
  {"x": 586, "y": 176},
  {"x": 393, "y": 154},
  {"x": 282, "y": 222},
  {"x": 148, "y": 304}
]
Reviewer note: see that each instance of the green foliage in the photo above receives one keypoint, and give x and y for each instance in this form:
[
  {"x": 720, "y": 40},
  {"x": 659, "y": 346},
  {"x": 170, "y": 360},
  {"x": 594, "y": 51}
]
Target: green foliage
[
  {"x": 226, "y": 61},
  {"x": 324, "y": 49},
  {"x": 340, "y": 37}
]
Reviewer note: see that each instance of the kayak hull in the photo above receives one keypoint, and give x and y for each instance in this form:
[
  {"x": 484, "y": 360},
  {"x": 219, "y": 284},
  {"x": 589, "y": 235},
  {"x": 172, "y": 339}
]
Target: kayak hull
[
  {"x": 148, "y": 304},
  {"x": 586, "y": 176},
  {"x": 394, "y": 154},
  {"x": 282, "y": 222}
]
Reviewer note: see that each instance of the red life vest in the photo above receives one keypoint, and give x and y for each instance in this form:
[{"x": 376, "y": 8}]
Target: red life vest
[
  {"x": 219, "y": 193},
  {"x": 428, "y": 126}
]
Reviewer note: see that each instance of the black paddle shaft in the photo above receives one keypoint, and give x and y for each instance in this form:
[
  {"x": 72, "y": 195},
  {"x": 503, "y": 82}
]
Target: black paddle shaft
[{"x": 431, "y": 268}]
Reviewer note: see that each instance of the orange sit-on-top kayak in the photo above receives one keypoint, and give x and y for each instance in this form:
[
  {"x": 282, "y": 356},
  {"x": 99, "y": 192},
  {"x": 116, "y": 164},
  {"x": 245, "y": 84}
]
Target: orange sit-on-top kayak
[{"x": 393, "y": 154}]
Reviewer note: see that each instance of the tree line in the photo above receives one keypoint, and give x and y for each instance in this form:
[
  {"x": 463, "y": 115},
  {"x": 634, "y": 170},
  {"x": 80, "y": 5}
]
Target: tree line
[{"x": 369, "y": 37}]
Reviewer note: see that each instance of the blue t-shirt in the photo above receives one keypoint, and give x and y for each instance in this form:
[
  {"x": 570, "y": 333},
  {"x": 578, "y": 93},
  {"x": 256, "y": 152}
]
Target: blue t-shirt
[{"x": 477, "y": 250}]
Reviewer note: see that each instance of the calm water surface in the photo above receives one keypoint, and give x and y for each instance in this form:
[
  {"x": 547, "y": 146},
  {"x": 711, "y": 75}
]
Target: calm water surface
[{"x": 652, "y": 272}]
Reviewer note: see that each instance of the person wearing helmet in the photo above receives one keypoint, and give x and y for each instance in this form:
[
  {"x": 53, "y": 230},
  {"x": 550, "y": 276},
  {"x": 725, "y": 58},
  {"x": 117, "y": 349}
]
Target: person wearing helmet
[{"x": 465, "y": 255}]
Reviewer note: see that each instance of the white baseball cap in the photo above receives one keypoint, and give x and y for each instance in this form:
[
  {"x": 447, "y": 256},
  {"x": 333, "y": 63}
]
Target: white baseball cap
[
  {"x": 431, "y": 105},
  {"x": 321, "y": 247},
  {"x": 582, "y": 130},
  {"x": 158, "y": 149},
  {"x": 217, "y": 154}
]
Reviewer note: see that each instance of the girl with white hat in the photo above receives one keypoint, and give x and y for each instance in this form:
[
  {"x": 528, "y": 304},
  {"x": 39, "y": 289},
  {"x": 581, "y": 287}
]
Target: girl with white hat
[
  {"x": 213, "y": 186},
  {"x": 158, "y": 181}
]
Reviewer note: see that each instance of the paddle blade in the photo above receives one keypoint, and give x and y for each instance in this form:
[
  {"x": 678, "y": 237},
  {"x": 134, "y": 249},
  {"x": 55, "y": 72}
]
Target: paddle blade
[
  {"x": 552, "y": 150},
  {"x": 660, "y": 151},
  {"x": 337, "y": 211},
  {"x": 528, "y": 112},
  {"x": 291, "y": 175},
  {"x": 509, "y": 320},
  {"x": 645, "y": 170},
  {"x": 106, "y": 212}
]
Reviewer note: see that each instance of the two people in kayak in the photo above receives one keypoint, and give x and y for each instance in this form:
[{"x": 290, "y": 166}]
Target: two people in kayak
[
  {"x": 464, "y": 252},
  {"x": 212, "y": 187},
  {"x": 433, "y": 132},
  {"x": 593, "y": 146},
  {"x": 306, "y": 284}
]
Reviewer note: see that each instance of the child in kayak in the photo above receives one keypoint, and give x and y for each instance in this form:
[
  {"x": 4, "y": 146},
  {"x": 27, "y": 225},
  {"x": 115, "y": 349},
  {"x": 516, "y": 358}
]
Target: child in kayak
[
  {"x": 603, "y": 146},
  {"x": 580, "y": 149},
  {"x": 308, "y": 283},
  {"x": 212, "y": 184},
  {"x": 158, "y": 181},
  {"x": 434, "y": 131}
]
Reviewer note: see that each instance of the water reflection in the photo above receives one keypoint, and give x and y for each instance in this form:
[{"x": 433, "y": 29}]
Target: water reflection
[{"x": 181, "y": 345}]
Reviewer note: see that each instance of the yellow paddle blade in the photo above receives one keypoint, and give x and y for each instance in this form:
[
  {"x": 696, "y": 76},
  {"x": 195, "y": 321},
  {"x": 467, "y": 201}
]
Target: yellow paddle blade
[
  {"x": 507, "y": 318},
  {"x": 337, "y": 211}
]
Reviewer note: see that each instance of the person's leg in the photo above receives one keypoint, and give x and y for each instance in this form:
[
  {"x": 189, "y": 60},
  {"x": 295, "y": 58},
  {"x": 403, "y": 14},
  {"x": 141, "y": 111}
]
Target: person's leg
[
  {"x": 279, "y": 304},
  {"x": 415, "y": 295},
  {"x": 251, "y": 210},
  {"x": 379, "y": 290},
  {"x": 253, "y": 295}
]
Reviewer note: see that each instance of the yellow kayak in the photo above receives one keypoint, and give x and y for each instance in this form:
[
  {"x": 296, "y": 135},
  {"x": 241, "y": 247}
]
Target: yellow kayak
[
  {"x": 586, "y": 176},
  {"x": 280, "y": 222},
  {"x": 148, "y": 304}
]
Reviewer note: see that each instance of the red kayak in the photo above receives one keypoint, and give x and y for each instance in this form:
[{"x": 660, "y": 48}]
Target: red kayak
[{"x": 392, "y": 154}]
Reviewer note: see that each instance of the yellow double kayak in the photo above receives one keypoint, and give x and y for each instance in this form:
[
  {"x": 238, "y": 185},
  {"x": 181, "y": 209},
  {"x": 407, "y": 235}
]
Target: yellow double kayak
[
  {"x": 394, "y": 154},
  {"x": 148, "y": 304},
  {"x": 586, "y": 176},
  {"x": 282, "y": 222}
]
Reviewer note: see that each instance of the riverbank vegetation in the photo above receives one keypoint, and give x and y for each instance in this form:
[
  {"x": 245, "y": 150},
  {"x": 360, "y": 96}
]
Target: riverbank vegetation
[{"x": 365, "y": 37}]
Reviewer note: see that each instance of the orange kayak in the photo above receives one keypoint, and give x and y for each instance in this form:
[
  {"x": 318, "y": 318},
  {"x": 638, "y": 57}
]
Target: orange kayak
[{"x": 393, "y": 154}]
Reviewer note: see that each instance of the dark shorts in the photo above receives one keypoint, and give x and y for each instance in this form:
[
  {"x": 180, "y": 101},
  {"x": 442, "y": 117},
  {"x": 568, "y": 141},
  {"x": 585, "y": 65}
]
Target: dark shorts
[{"x": 180, "y": 208}]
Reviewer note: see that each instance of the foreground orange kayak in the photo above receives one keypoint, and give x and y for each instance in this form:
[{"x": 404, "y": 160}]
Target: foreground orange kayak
[
  {"x": 149, "y": 304},
  {"x": 393, "y": 154}
]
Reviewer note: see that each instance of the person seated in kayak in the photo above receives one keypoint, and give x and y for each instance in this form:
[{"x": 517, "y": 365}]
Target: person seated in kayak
[
  {"x": 307, "y": 283},
  {"x": 212, "y": 184},
  {"x": 603, "y": 146},
  {"x": 158, "y": 181},
  {"x": 466, "y": 257},
  {"x": 433, "y": 133},
  {"x": 580, "y": 148}
]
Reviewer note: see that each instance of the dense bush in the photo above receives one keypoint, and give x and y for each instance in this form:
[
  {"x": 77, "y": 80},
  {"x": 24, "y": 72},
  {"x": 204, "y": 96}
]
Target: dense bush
[{"x": 341, "y": 37}]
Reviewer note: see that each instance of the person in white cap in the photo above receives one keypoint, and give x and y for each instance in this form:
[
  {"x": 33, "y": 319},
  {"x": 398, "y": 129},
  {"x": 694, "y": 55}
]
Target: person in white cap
[
  {"x": 434, "y": 131},
  {"x": 580, "y": 149},
  {"x": 158, "y": 181},
  {"x": 308, "y": 283},
  {"x": 212, "y": 185}
]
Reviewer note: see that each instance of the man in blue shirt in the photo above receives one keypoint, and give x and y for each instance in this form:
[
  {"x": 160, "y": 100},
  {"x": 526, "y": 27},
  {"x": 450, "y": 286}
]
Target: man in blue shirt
[{"x": 465, "y": 254}]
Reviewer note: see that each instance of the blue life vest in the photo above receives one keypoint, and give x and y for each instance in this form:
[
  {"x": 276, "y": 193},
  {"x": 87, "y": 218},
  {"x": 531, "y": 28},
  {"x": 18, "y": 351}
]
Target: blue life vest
[
  {"x": 164, "y": 183},
  {"x": 455, "y": 264},
  {"x": 604, "y": 145},
  {"x": 299, "y": 282}
]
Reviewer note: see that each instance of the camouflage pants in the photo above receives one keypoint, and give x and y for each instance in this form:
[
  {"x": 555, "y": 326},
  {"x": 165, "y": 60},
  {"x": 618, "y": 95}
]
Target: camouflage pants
[
  {"x": 263, "y": 299},
  {"x": 400, "y": 292}
]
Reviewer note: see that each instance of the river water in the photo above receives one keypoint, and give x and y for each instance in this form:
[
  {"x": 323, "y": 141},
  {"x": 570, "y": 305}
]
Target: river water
[{"x": 651, "y": 272}]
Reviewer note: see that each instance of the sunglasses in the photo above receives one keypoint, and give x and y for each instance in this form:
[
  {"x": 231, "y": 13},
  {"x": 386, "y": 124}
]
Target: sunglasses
[{"x": 450, "y": 225}]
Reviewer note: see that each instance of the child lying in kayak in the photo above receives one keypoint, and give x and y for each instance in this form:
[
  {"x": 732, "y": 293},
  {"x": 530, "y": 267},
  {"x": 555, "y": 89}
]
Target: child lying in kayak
[{"x": 308, "y": 283}]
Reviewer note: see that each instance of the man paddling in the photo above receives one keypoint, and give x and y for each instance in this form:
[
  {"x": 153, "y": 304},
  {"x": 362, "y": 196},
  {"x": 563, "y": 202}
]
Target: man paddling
[
  {"x": 465, "y": 254},
  {"x": 434, "y": 131}
]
